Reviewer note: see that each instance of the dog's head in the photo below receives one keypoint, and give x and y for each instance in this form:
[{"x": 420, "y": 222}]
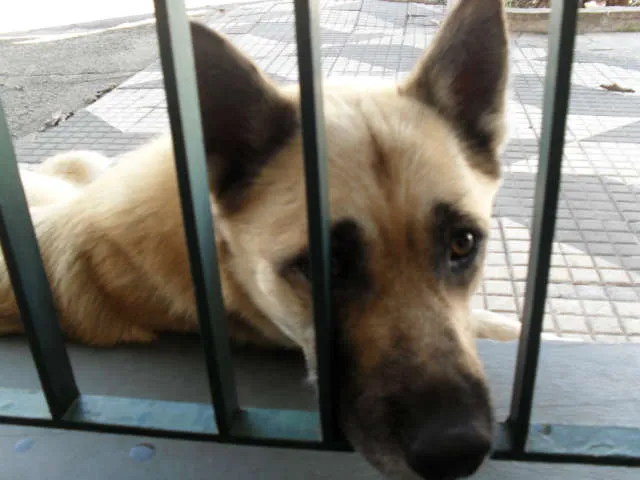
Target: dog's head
[{"x": 413, "y": 170}]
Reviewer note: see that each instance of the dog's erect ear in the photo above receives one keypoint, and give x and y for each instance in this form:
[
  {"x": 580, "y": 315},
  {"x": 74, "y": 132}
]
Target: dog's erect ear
[
  {"x": 245, "y": 118},
  {"x": 464, "y": 72}
]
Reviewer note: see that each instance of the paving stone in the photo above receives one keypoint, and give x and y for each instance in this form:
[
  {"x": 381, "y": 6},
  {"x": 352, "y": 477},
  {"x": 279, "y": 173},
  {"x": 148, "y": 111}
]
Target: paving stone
[
  {"x": 605, "y": 325},
  {"x": 632, "y": 326},
  {"x": 585, "y": 276},
  {"x": 615, "y": 276},
  {"x": 559, "y": 275},
  {"x": 608, "y": 339},
  {"x": 496, "y": 273},
  {"x": 549, "y": 324},
  {"x": 501, "y": 304},
  {"x": 566, "y": 306},
  {"x": 579, "y": 261},
  {"x": 497, "y": 259},
  {"x": 519, "y": 259},
  {"x": 478, "y": 302},
  {"x": 561, "y": 290},
  {"x": 591, "y": 292},
  {"x": 580, "y": 337},
  {"x": 619, "y": 293},
  {"x": 572, "y": 323},
  {"x": 628, "y": 309},
  {"x": 499, "y": 287}
]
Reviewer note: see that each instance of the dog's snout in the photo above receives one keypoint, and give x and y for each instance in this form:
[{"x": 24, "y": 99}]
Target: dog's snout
[
  {"x": 450, "y": 431},
  {"x": 449, "y": 451}
]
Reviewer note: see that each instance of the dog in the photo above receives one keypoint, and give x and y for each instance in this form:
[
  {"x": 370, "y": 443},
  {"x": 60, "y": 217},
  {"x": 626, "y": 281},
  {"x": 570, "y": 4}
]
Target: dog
[{"x": 413, "y": 172}]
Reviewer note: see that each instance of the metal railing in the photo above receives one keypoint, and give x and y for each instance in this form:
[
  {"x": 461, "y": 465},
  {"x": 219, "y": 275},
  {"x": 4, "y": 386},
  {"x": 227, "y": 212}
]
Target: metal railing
[{"x": 224, "y": 420}]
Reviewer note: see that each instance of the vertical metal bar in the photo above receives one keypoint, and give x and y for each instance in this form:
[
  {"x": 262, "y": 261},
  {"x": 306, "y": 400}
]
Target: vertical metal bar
[
  {"x": 31, "y": 286},
  {"x": 556, "y": 101},
  {"x": 315, "y": 157},
  {"x": 178, "y": 66}
]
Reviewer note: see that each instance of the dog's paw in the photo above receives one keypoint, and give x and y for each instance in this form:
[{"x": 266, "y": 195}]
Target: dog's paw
[
  {"x": 494, "y": 326},
  {"x": 550, "y": 336}
]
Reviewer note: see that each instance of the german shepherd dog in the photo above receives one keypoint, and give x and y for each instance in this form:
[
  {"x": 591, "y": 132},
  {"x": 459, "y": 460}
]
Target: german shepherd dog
[{"x": 413, "y": 171}]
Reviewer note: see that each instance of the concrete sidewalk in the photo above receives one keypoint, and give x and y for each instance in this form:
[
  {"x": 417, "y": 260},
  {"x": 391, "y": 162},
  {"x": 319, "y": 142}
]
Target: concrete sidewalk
[{"x": 595, "y": 278}]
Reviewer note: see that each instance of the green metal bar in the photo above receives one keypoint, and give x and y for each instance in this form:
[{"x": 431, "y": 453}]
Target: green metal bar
[
  {"x": 576, "y": 444},
  {"x": 24, "y": 406},
  {"x": 164, "y": 419},
  {"x": 296, "y": 426},
  {"x": 30, "y": 284},
  {"x": 144, "y": 414},
  {"x": 556, "y": 102},
  {"x": 318, "y": 214},
  {"x": 178, "y": 66}
]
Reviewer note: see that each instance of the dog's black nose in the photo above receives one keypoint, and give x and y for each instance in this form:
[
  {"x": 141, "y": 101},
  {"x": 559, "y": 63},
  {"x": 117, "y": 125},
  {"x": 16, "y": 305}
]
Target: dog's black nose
[{"x": 452, "y": 449}]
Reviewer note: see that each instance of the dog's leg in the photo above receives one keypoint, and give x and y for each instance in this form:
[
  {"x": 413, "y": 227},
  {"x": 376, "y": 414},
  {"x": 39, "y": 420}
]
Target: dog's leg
[
  {"x": 9, "y": 315},
  {"x": 10, "y": 324},
  {"x": 494, "y": 326},
  {"x": 103, "y": 331},
  {"x": 86, "y": 313}
]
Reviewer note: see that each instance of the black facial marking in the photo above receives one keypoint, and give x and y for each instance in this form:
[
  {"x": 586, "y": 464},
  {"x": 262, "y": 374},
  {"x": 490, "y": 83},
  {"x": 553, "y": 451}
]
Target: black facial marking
[
  {"x": 350, "y": 276},
  {"x": 477, "y": 136},
  {"x": 458, "y": 244},
  {"x": 464, "y": 77},
  {"x": 243, "y": 157},
  {"x": 245, "y": 119}
]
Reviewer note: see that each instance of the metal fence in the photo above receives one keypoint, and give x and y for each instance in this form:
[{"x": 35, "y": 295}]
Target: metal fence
[{"x": 224, "y": 420}]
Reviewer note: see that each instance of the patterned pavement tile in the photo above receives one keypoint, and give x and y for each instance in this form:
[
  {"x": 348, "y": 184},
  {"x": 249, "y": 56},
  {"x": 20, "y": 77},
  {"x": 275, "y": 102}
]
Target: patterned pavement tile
[{"x": 594, "y": 289}]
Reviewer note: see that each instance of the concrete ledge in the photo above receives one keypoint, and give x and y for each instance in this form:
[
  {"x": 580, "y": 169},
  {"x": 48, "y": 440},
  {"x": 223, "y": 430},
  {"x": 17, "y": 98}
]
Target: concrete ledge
[
  {"x": 590, "y": 20},
  {"x": 577, "y": 384}
]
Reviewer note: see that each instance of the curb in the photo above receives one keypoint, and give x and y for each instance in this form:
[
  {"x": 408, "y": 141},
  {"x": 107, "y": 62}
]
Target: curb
[{"x": 590, "y": 20}]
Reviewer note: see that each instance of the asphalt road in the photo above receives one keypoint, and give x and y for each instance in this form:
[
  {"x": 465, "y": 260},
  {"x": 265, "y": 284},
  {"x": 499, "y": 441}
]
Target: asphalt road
[
  {"x": 55, "y": 59},
  {"x": 46, "y": 74}
]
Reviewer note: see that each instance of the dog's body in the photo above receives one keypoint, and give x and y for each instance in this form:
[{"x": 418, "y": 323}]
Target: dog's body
[
  {"x": 115, "y": 252},
  {"x": 122, "y": 241},
  {"x": 413, "y": 172}
]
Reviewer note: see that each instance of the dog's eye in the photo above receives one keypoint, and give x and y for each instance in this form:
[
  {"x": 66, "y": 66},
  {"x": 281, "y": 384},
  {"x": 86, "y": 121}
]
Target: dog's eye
[{"x": 463, "y": 245}]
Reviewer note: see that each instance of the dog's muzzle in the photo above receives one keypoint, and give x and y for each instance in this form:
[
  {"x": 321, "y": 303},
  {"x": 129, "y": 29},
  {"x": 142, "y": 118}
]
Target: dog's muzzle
[
  {"x": 451, "y": 435},
  {"x": 453, "y": 447}
]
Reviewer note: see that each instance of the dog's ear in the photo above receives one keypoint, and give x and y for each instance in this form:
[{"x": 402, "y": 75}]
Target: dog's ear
[
  {"x": 245, "y": 118},
  {"x": 464, "y": 72}
]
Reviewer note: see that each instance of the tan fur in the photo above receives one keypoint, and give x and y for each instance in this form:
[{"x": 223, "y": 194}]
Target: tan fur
[
  {"x": 114, "y": 247},
  {"x": 79, "y": 167},
  {"x": 59, "y": 177},
  {"x": 102, "y": 261}
]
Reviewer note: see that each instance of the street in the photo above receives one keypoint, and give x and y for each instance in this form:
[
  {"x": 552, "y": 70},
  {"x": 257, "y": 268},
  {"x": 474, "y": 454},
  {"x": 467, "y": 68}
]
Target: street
[{"x": 56, "y": 57}]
